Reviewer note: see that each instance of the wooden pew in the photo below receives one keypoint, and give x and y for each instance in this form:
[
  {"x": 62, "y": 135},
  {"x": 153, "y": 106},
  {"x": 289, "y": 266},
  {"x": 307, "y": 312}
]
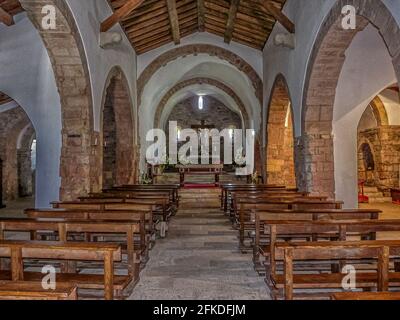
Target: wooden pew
[
  {"x": 161, "y": 203},
  {"x": 227, "y": 188},
  {"x": 17, "y": 251},
  {"x": 240, "y": 197},
  {"x": 245, "y": 218},
  {"x": 25, "y": 290},
  {"x": 65, "y": 227},
  {"x": 365, "y": 296},
  {"x": 116, "y": 204},
  {"x": 155, "y": 187},
  {"x": 379, "y": 275},
  {"x": 123, "y": 203},
  {"x": 338, "y": 230},
  {"x": 265, "y": 234},
  {"x": 144, "y": 219}
]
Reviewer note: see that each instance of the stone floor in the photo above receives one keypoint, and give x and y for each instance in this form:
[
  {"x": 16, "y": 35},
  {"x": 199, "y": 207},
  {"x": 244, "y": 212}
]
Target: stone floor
[{"x": 199, "y": 259}]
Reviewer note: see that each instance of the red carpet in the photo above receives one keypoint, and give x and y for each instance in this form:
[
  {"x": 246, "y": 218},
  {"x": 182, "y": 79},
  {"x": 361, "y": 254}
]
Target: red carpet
[{"x": 199, "y": 186}]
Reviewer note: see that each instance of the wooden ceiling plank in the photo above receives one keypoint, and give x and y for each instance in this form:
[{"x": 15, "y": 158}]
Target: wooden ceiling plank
[
  {"x": 231, "y": 20},
  {"x": 174, "y": 21},
  {"x": 134, "y": 32},
  {"x": 120, "y": 14},
  {"x": 147, "y": 19}
]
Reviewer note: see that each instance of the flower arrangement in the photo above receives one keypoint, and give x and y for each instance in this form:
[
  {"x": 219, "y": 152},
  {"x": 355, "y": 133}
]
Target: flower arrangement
[
  {"x": 145, "y": 179},
  {"x": 183, "y": 159},
  {"x": 239, "y": 159}
]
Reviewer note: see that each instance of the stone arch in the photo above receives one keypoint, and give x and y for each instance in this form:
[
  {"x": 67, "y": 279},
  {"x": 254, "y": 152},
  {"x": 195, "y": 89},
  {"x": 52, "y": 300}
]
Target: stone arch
[
  {"x": 212, "y": 82},
  {"x": 379, "y": 112},
  {"x": 315, "y": 147},
  {"x": 196, "y": 49},
  {"x": 280, "y": 168},
  {"x": 118, "y": 156},
  {"x": 67, "y": 54}
]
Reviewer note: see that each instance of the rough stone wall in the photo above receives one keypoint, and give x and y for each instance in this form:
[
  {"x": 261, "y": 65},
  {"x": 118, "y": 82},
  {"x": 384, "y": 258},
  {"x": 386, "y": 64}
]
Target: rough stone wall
[
  {"x": 385, "y": 145},
  {"x": 12, "y": 122},
  {"x": 280, "y": 146},
  {"x": 24, "y": 158},
  {"x": 119, "y": 153},
  {"x": 109, "y": 141},
  {"x": 187, "y": 113},
  {"x": 200, "y": 80},
  {"x": 214, "y": 113}
]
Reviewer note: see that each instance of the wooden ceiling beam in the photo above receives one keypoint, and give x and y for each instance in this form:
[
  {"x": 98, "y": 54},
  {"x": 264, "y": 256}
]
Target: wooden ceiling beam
[
  {"x": 268, "y": 7},
  {"x": 119, "y": 14},
  {"x": 230, "y": 25},
  {"x": 6, "y": 18},
  {"x": 201, "y": 14},
  {"x": 174, "y": 21}
]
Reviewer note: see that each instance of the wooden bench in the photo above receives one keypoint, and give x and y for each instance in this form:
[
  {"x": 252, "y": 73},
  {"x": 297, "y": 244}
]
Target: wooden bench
[
  {"x": 267, "y": 232},
  {"x": 17, "y": 251},
  {"x": 245, "y": 219},
  {"x": 144, "y": 219},
  {"x": 25, "y": 290},
  {"x": 161, "y": 203},
  {"x": 117, "y": 204},
  {"x": 65, "y": 227},
  {"x": 296, "y": 284},
  {"x": 227, "y": 188},
  {"x": 337, "y": 230},
  {"x": 365, "y": 296},
  {"x": 264, "y": 197},
  {"x": 174, "y": 188}
]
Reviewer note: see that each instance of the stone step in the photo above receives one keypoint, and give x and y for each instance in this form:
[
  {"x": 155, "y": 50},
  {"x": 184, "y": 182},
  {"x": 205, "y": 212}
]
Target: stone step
[
  {"x": 380, "y": 200},
  {"x": 370, "y": 189},
  {"x": 374, "y": 194}
]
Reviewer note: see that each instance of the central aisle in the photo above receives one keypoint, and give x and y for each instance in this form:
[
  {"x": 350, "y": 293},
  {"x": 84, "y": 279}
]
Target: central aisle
[{"x": 199, "y": 259}]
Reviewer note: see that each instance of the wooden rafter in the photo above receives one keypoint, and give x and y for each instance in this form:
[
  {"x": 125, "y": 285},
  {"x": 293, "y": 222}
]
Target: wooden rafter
[
  {"x": 119, "y": 14},
  {"x": 268, "y": 7},
  {"x": 201, "y": 15},
  {"x": 174, "y": 21},
  {"x": 231, "y": 20},
  {"x": 149, "y": 25},
  {"x": 6, "y": 18}
]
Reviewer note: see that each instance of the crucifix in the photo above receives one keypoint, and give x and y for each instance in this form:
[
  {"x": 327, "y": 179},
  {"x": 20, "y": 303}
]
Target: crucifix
[{"x": 202, "y": 126}]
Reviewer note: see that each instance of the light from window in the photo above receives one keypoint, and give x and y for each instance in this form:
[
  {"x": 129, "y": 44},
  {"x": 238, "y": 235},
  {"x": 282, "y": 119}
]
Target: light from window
[{"x": 201, "y": 103}]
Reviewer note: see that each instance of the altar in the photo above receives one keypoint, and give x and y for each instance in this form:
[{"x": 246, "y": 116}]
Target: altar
[{"x": 200, "y": 169}]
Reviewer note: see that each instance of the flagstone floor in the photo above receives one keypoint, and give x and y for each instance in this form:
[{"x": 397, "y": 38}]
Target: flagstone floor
[{"x": 199, "y": 259}]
